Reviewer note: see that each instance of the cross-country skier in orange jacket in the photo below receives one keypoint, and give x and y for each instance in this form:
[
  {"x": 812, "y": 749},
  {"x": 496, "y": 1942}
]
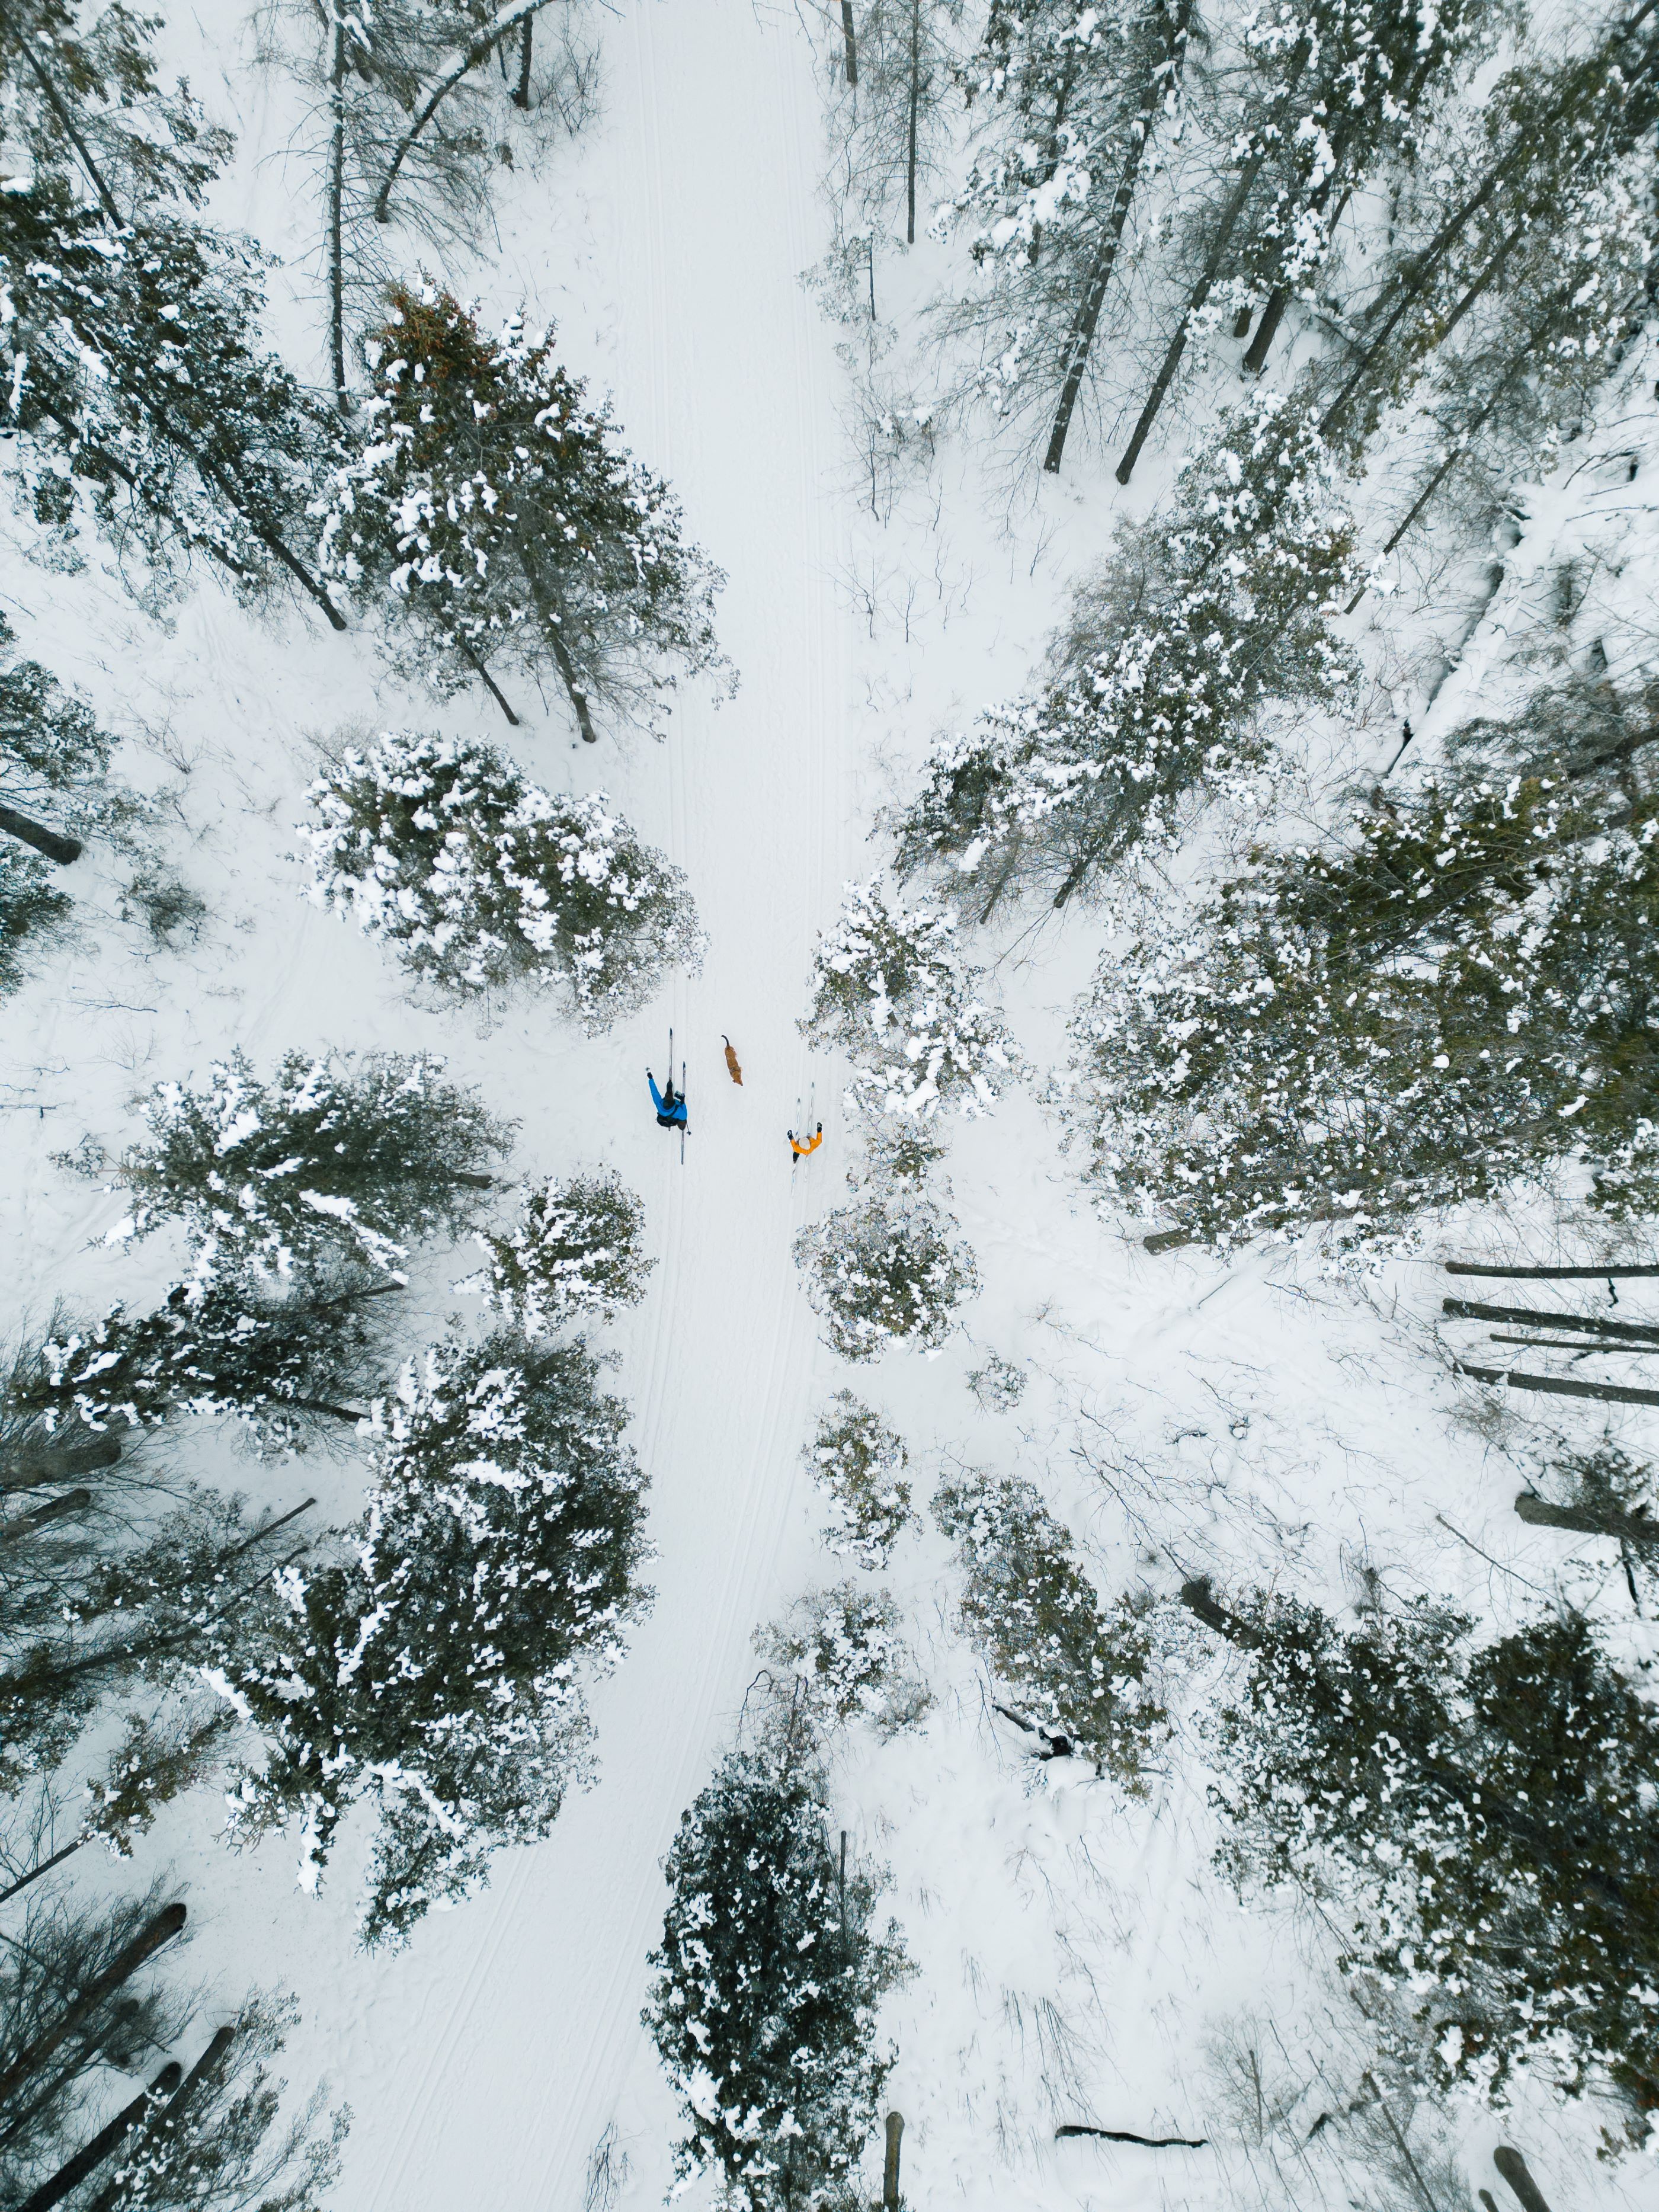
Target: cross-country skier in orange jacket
[{"x": 800, "y": 1146}]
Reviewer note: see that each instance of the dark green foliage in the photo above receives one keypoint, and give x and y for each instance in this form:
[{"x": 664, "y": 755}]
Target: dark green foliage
[
  {"x": 576, "y": 1248},
  {"x": 53, "y": 753},
  {"x": 436, "y": 1667},
  {"x": 286, "y": 1355},
  {"x": 1479, "y": 1819},
  {"x": 134, "y": 372},
  {"x": 1458, "y": 994},
  {"x": 334, "y": 1153},
  {"x": 492, "y": 518},
  {"x": 763, "y": 2005},
  {"x": 860, "y": 1462},
  {"x": 1201, "y": 618},
  {"x": 34, "y": 913},
  {"x": 1079, "y": 1670}
]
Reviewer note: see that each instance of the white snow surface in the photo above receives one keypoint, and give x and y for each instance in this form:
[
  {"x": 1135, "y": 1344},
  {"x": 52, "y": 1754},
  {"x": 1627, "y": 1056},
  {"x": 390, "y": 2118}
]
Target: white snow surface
[{"x": 1073, "y": 1951}]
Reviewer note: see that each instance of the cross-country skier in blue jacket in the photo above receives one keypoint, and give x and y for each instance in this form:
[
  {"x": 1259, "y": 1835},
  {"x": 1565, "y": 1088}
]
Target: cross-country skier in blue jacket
[{"x": 670, "y": 1105}]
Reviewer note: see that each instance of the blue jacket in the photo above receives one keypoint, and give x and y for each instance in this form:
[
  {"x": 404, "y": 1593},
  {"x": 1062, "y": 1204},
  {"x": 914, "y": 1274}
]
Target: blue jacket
[{"x": 670, "y": 1111}]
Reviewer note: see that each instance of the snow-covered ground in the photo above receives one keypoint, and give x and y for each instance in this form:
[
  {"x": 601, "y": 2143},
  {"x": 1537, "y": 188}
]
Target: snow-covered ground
[{"x": 1073, "y": 1952}]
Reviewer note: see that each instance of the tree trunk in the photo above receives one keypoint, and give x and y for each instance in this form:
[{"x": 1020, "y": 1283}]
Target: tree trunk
[
  {"x": 25, "y": 1524},
  {"x": 472, "y": 1181},
  {"x": 1167, "y": 1240},
  {"x": 1199, "y": 1597},
  {"x": 44, "y": 1466},
  {"x": 56, "y": 847},
  {"x": 1549, "y": 1274},
  {"x": 1513, "y": 2167},
  {"x": 26, "y": 45},
  {"x": 161, "y": 1929},
  {"x": 109, "y": 2198},
  {"x": 567, "y": 670},
  {"x": 910, "y": 142},
  {"x": 88, "y": 2161},
  {"x": 485, "y": 679},
  {"x": 460, "y": 64},
  {"x": 1588, "y": 1521},
  {"x": 336, "y": 76},
  {"x": 1177, "y": 346},
  {"x": 849, "y": 39},
  {"x": 1585, "y": 1324},
  {"x": 1147, "y": 2142},
  {"x": 1556, "y": 1386},
  {"x": 1088, "y": 316},
  {"x": 526, "y": 40},
  {"x": 889, "y": 2167},
  {"x": 55, "y": 1859}
]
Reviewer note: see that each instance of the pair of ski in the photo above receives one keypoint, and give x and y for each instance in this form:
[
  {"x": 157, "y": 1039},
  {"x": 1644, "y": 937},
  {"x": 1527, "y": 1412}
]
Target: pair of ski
[
  {"x": 671, "y": 1085},
  {"x": 802, "y": 1129}
]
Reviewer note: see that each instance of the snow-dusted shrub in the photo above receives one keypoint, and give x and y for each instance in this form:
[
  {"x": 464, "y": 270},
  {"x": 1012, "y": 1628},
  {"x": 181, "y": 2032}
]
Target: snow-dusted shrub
[
  {"x": 437, "y": 1667},
  {"x": 367, "y": 1154},
  {"x": 576, "y": 1248},
  {"x": 33, "y": 912},
  {"x": 1455, "y": 996},
  {"x": 54, "y": 761},
  {"x": 838, "y": 1656},
  {"x": 1202, "y": 616},
  {"x": 883, "y": 1271},
  {"x": 479, "y": 879},
  {"x": 287, "y": 1355},
  {"x": 860, "y": 1463},
  {"x": 491, "y": 518},
  {"x": 892, "y": 990},
  {"x": 1477, "y": 1817},
  {"x": 1078, "y": 1669},
  {"x": 763, "y": 2005},
  {"x": 999, "y": 1385}
]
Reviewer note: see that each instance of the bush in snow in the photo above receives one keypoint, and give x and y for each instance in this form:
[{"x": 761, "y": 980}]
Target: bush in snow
[
  {"x": 1476, "y": 1817},
  {"x": 1079, "y": 1671},
  {"x": 366, "y": 1154},
  {"x": 33, "y": 914},
  {"x": 576, "y": 1248},
  {"x": 999, "y": 1386},
  {"x": 1203, "y": 614},
  {"x": 492, "y": 518},
  {"x": 883, "y": 1271},
  {"x": 285, "y": 1355},
  {"x": 838, "y": 1657},
  {"x": 479, "y": 879},
  {"x": 892, "y": 990},
  {"x": 1455, "y": 995},
  {"x": 435, "y": 1667},
  {"x": 859, "y": 1461},
  {"x": 767, "y": 1983}
]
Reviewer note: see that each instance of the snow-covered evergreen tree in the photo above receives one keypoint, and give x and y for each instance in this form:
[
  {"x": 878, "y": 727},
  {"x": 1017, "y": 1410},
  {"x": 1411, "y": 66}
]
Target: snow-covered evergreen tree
[
  {"x": 883, "y": 1272},
  {"x": 287, "y": 1355},
  {"x": 892, "y": 991},
  {"x": 492, "y": 518},
  {"x": 135, "y": 376},
  {"x": 1079, "y": 1669},
  {"x": 837, "y": 1657},
  {"x": 1453, "y": 997},
  {"x": 767, "y": 1983},
  {"x": 860, "y": 1462},
  {"x": 53, "y": 759},
  {"x": 363, "y": 1155},
  {"x": 437, "y": 1667},
  {"x": 1201, "y": 618},
  {"x": 1476, "y": 1815},
  {"x": 479, "y": 879},
  {"x": 576, "y": 1249}
]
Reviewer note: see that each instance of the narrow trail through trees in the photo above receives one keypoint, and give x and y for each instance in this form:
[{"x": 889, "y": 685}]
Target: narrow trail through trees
[{"x": 510, "y": 2040}]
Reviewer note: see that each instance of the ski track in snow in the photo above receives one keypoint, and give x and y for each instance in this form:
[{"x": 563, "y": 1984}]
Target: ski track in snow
[{"x": 526, "y": 2037}]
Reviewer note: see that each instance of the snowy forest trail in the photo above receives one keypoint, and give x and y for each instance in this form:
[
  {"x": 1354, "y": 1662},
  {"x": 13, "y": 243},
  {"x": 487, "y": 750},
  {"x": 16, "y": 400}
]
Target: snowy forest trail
[{"x": 518, "y": 2042}]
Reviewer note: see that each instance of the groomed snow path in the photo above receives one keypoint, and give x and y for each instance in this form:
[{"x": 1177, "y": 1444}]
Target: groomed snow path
[{"x": 487, "y": 2064}]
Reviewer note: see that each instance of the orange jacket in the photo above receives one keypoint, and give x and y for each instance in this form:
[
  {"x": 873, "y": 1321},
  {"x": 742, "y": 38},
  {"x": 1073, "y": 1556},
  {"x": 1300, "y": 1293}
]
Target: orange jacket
[{"x": 801, "y": 1150}]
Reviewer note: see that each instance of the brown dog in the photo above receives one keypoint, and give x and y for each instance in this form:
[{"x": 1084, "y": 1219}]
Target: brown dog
[{"x": 735, "y": 1072}]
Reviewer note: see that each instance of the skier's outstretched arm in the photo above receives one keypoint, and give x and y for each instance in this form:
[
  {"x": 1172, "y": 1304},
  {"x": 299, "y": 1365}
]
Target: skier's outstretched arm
[{"x": 656, "y": 1095}]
